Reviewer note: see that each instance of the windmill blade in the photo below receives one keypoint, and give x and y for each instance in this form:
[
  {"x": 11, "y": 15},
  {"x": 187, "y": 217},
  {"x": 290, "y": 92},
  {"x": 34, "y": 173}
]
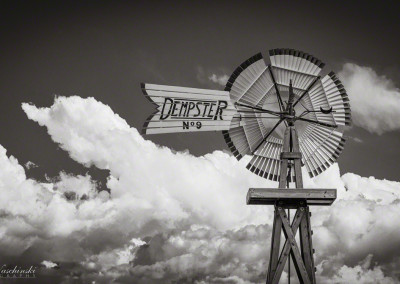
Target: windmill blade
[
  {"x": 249, "y": 85},
  {"x": 181, "y": 109},
  {"x": 320, "y": 147},
  {"x": 250, "y": 82},
  {"x": 337, "y": 98},
  {"x": 266, "y": 160},
  {"x": 296, "y": 61},
  {"x": 300, "y": 67}
]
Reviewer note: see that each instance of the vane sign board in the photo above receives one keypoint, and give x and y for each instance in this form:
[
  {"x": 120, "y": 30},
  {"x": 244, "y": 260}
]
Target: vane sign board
[{"x": 181, "y": 109}]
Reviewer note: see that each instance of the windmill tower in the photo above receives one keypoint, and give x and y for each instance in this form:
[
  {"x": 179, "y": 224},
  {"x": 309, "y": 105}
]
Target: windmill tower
[{"x": 285, "y": 116}]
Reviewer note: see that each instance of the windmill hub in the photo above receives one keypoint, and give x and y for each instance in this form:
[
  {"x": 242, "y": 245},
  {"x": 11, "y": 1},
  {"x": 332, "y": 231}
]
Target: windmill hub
[{"x": 289, "y": 116}]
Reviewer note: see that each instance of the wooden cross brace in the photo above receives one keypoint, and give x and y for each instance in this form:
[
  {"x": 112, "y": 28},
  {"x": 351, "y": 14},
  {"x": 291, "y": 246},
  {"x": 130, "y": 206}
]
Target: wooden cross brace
[{"x": 290, "y": 246}]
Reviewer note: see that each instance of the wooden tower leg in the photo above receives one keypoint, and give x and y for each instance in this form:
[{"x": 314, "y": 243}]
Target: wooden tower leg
[
  {"x": 275, "y": 246},
  {"x": 305, "y": 225},
  {"x": 306, "y": 245},
  {"x": 277, "y": 227}
]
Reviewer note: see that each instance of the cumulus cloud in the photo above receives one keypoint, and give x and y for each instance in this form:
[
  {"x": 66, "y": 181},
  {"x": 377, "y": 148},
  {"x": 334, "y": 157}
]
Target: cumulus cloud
[
  {"x": 157, "y": 178},
  {"x": 363, "y": 272},
  {"x": 32, "y": 211},
  {"x": 211, "y": 78},
  {"x": 219, "y": 79},
  {"x": 375, "y": 101},
  {"x": 49, "y": 264},
  {"x": 30, "y": 165},
  {"x": 173, "y": 217}
]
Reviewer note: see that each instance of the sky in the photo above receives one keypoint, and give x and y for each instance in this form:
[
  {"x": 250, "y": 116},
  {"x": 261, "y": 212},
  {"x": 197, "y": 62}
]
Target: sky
[{"x": 74, "y": 166}]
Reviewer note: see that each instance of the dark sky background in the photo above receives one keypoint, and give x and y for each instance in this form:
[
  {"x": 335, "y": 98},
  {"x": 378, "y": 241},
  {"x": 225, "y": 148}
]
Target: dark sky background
[{"x": 105, "y": 49}]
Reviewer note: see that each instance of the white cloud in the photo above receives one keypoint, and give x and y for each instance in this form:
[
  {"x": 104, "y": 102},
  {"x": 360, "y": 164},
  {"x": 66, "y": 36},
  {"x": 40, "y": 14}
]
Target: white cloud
[
  {"x": 32, "y": 211},
  {"x": 111, "y": 258},
  {"x": 173, "y": 216},
  {"x": 219, "y": 79},
  {"x": 49, "y": 264},
  {"x": 211, "y": 77},
  {"x": 375, "y": 101},
  {"x": 361, "y": 273},
  {"x": 93, "y": 134},
  {"x": 75, "y": 187},
  {"x": 30, "y": 165}
]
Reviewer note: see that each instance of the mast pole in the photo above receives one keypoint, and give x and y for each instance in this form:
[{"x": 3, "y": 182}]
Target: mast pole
[{"x": 302, "y": 258}]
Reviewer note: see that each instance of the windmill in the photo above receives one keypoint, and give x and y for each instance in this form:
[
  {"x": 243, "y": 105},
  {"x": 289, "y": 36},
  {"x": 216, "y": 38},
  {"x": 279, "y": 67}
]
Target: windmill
[{"x": 284, "y": 115}]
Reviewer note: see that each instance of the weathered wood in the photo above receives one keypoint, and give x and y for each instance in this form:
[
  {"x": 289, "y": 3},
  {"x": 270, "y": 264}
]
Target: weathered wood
[
  {"x": 295, "y": 251},
  {"x": 305, "y": 226},
  {"x": 270, "y": 196},
  {"x": 284, "y": 162},
  {"x": 277, "y": 227},
  {"x": 297, "y": 162},
  {"x": 275, "y": 245},
  {"x": 286, "y": 247},
  {"x": 307, "y": 216},
  {"x": 305, "y": 246}
]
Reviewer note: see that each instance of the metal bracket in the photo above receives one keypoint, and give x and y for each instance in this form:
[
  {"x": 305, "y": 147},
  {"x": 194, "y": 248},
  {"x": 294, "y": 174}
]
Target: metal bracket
[{"x": 291, "y": 155}]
